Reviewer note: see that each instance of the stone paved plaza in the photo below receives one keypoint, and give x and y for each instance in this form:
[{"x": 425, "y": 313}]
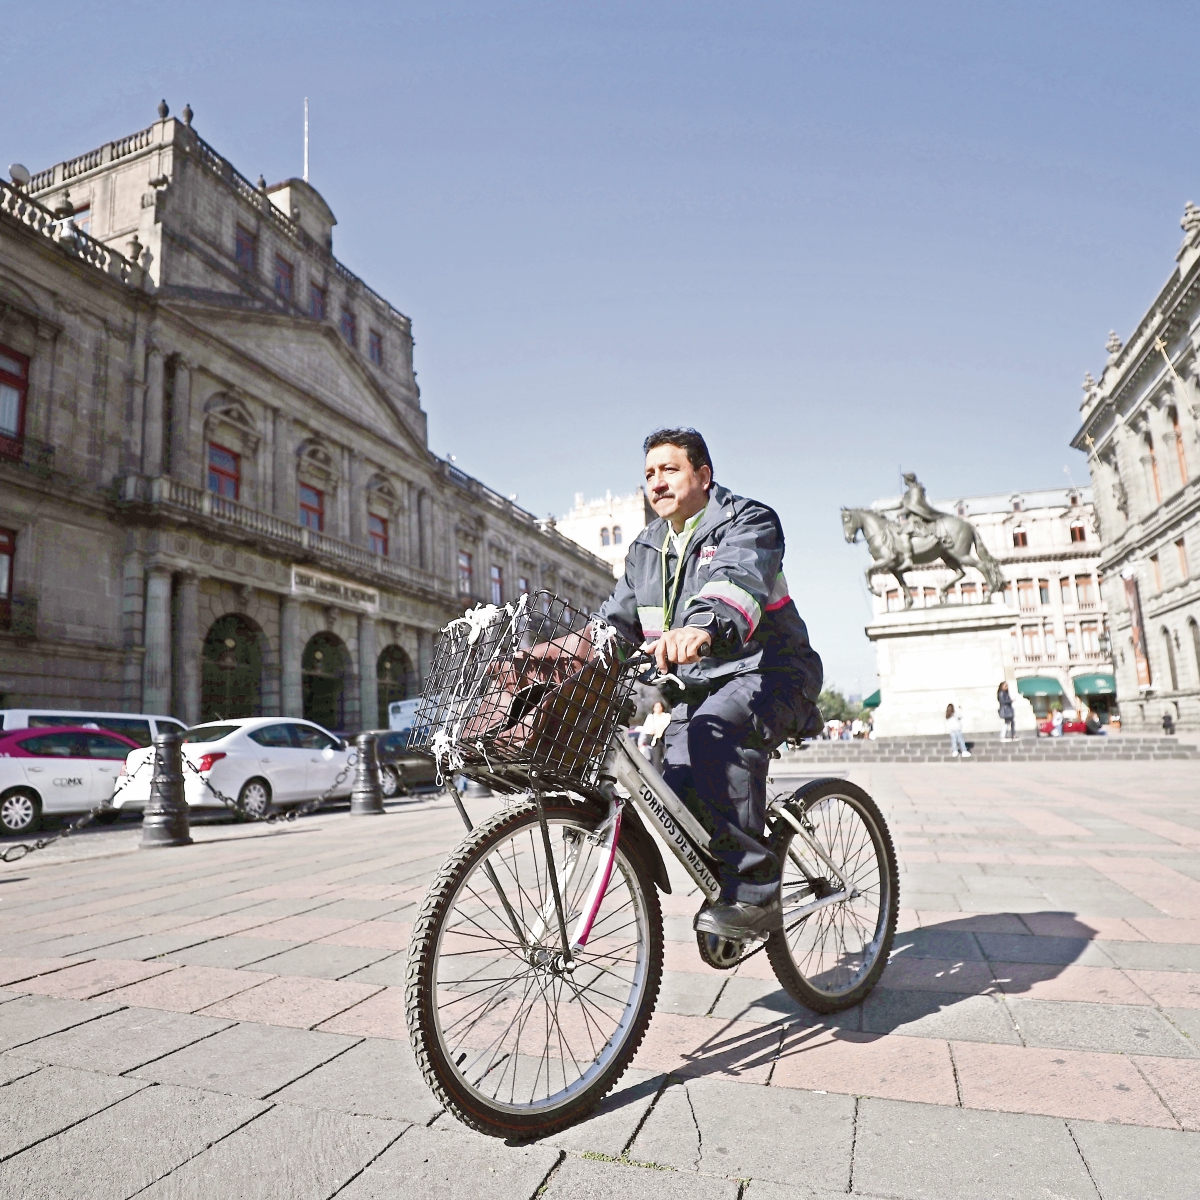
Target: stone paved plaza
[{"x": 226, "y": 1020}]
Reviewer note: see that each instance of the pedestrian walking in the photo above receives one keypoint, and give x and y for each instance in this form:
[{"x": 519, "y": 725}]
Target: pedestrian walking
[
  {"x": 1007, "y": 715},
  {"x": 954, "y": 726},
  {"x": 1056, "y": 723},
  {"x": 650, "y": 738}
]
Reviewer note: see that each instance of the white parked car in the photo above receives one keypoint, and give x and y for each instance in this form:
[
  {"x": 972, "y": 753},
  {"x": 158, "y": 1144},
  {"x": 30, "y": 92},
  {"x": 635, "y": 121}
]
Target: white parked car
[{"x": 261, "y": 761}]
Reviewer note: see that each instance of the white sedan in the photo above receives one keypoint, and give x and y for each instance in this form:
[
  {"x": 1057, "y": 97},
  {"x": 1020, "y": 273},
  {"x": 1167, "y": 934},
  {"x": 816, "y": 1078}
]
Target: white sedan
[{"x": 259, "y": 761}]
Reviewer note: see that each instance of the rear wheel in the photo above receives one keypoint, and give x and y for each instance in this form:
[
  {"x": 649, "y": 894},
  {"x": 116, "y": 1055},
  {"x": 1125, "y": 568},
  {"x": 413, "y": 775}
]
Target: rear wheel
[
  {"x": 255, "y": 798},
  {"x": 511, "y": 1040},
  {"x": 830, "y": 958},
  {"x": 20, "y": 811},
  {"x": 391, "y": 782}
]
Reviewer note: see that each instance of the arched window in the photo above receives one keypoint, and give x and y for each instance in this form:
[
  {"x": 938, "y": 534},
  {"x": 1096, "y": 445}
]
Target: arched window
[
  {"x": 616, "y": 535},
  {"x": 231, "y": 670},
  {"x": 323, "y": 669},
  {"x": 1169, "y": 648},
  {"x": 604, "y": 539},
  {"x": 397, "y": 680}
]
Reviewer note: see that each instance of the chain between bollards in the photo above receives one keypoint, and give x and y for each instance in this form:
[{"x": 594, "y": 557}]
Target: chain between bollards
[
  {"x": 165, "y": 820},
  {"x": 366, "y": 798}
]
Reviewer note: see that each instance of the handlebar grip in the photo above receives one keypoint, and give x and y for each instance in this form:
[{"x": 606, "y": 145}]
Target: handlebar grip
[{"x": 705, "y": 649}]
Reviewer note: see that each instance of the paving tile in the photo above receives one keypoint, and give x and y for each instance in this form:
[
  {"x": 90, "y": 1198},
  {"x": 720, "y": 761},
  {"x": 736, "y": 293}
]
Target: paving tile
[
  {"x": 1185, "y": 1019},
  {"x": 14, "y": 1067},
  {"x": 938, "y": 1015},
  {"x": 322, "y": 961},
  {"x": 926, "y": 1152},
  {"x": 376, "y": 1078},
  {"x": 228, "y": 952},
  {"x": 126, "y": 1147},
  {"x": 300, "y": 1153},
  {"x": 610, "y": 1129},
  {"x": 1154, "y": 956},
  {"x": 1006, "y": 948},
  {"x": 1168, "y": 929},
  {"x": 862, "y": 1064},
  {"x": 377, "y": 935},
  {"x": 1059, "y": 1083},
  {"x": 1177, "y": 1081},
  {"x": 584, "y": 1179},
  {"x": 387, "y": 972},
  {"x": 247, "y": 1059},
  {"x": 25, "y": 1018},
  {"x": 1040, "y": 981},
  {"x": 188, "y": 989},
  {"x": 1132, "y": 1164},
  {"x": 1114, "y": 1028},
  {"x": 85, "y": 980},
  {"x": 937, "y": 974},
  {"x": 694, "y": 1046},
  {"x": 955, "y": 945},
  {"x": 292, "y": 1000},
  {"x": 689, "y": 993},
  {"x": 452, "y": 1164},
  {"x": 50, "y": 1100},
  {"x": 1001, "y": 922},
  {"x": 305, "y": 928},
  {"x": 358, "y": 909},
  {"x": 13, "y": 970},
  {"x": 1068, "y": 925},
  {"x": 380, "y": 1015},
  {"x": 738, "y": 1133}
]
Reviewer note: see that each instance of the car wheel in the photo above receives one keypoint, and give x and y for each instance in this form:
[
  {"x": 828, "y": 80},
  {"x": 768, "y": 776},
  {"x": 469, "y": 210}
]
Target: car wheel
[
  {"x": 20, "y": 811},
  {"x": 392, "y": 781},
  {"x": 255, "y": 798}
]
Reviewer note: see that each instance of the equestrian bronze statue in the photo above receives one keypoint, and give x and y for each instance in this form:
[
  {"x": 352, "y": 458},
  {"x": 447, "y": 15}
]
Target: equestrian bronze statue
[{"x": 924, "y": 535}]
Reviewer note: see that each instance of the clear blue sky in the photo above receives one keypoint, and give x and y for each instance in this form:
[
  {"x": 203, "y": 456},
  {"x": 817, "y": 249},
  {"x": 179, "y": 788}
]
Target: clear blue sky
[{"x": 838, "y": 238}]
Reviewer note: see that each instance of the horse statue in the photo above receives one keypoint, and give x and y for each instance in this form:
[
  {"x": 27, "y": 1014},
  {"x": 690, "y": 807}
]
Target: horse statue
[{"x": 934, "y": 536}]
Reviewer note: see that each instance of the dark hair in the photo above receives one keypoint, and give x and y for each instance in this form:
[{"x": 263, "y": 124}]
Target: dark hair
[
  {"x": 687, "y": 440},
  {"x": 949, "y": 711}
]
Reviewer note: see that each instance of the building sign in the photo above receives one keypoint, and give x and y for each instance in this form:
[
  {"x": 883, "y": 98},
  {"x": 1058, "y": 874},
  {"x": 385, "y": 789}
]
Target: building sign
[
  {"x": 1133, "y": 600},
  {"x": 333, "y": 591}
]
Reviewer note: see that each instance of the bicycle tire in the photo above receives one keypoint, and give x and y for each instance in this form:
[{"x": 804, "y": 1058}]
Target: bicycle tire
[
  {"x": 436, "y": 1058},
  {"x": 832, "y": 987}
]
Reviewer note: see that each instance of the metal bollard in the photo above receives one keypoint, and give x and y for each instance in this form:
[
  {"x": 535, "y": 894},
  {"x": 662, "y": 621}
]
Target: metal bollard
[
  {"x": 165, "y": 820},
  {"x": 366, "y": 800}
]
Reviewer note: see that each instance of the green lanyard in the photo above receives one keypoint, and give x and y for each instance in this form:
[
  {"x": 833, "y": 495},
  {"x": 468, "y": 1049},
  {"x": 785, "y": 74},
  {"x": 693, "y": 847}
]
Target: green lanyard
[{"x": 669, "y": 612}]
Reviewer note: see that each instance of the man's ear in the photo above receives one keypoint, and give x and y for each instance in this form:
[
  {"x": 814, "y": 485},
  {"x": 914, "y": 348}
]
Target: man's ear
[{"x": 707, "y": 485}]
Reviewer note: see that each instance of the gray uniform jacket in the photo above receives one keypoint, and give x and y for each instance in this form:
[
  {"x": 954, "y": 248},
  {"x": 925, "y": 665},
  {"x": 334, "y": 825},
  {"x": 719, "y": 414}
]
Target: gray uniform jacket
[{"x": 731, "y": 583}]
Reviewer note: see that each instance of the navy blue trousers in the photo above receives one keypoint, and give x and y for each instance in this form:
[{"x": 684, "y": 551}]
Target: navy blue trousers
[{"x": 716, "y": 760}]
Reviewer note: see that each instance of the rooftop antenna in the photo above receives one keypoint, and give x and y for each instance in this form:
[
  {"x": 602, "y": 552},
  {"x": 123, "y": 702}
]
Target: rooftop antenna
[{"x": 305, "y": 139}]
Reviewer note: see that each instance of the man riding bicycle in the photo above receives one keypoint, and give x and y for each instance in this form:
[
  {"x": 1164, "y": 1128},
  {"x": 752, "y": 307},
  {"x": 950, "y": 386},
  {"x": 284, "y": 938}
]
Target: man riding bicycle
[{"x": 704, "y": 591}]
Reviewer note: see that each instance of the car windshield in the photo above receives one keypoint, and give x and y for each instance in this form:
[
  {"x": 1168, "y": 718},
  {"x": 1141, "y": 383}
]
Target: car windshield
[{"x": 209, "y": 733}]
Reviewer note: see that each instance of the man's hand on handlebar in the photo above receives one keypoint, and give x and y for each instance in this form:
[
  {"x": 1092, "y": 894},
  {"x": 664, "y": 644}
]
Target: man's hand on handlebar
[{"x": 686, "y": 645}]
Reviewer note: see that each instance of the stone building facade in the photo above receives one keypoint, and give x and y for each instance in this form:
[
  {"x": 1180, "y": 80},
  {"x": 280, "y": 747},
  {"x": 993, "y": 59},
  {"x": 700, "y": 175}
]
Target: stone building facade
[
  {"x": 608, "y": 525},
  {"x": 1054, "y": 633},
  {"x": 216, "y": 493},
  {"x": 1141, "y": 433}
]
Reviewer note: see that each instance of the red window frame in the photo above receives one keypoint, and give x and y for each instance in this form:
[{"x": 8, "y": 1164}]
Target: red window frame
[
  {"x": 349, "y": 327},
  {"x": 1020, "y": 539},
  {"x": 375, "y": 347},
  {"x": 1078, "y": 533},
  {"x": 465, "y": 573},
  {"x": 285, "y": 277},
  {"x": 377, "y": 530},
  {"x": 245, "y": 248},
  {"x": 224, "y": 481},
  {"x": 316, "y": 302},
  {"x": 8, "y": 555},
  {"x": 12, "y": 441},
  {"x": 312, "y": 511}
]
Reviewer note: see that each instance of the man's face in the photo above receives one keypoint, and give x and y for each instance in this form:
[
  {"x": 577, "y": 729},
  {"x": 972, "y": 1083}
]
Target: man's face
[{"x": 676, "y": 489}]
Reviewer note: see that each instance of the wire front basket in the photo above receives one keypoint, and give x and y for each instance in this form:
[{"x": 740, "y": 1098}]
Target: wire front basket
[{"x": 529, "y": 692}]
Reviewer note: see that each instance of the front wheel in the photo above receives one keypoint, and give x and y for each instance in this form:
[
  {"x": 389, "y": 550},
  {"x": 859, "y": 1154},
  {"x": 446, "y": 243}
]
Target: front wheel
[
  {"x": 830, "y": 957},
  {"x": 391, "y": 782},
  {"x": 511, "y": 1040},
  {"x": 20, "y": 811}
]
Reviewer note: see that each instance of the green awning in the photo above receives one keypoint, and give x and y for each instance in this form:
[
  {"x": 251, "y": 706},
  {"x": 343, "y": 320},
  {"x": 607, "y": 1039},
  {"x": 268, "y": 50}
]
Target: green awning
[
  {"x": 1039, "y": 685},
  {"x": 1095, "y": 685},
  {"x": 872, "y": 701}
]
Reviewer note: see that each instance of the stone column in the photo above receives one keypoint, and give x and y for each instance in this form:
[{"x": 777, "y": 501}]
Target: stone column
[
  {"x": 356, "y": 499},
  {"x": 187, "y": 649},
  {"x": 153, "y": 428},
  {"x": 368, "y": 682},
  {"x": 423, "y": 542},
  {"x": 424, "y": 654},
  {"x": 156, "y": 667},
  {"x": 181, "y": 448},
  {"x": 133, "y": 611},
  {"x": 1133, "y": 475},
  {"x": 285, "y": 469},
  {"x": 290, "y": 652}
]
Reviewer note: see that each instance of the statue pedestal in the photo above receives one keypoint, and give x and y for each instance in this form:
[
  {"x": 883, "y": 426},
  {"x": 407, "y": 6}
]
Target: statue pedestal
[{"x": 953, "y": 654}]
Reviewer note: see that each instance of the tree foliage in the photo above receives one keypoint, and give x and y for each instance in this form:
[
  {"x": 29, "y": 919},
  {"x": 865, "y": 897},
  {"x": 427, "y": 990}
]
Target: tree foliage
[{"x": 835, "y": 707}]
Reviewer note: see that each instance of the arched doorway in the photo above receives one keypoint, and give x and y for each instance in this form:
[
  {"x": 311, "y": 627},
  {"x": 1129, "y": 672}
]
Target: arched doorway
[
  {"x": 323, "y": 674},
  {"x": 397, "y": 680},
  {"x": 231, "y": 670}
]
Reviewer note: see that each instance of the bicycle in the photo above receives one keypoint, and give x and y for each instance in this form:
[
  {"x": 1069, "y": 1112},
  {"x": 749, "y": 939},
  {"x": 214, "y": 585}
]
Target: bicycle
[{"x": 537, "y": 955}]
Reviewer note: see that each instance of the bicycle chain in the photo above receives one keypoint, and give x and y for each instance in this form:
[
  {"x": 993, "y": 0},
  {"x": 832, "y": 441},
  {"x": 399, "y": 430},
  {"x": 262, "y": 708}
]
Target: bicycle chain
[{"x": 13, "y": 854}]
